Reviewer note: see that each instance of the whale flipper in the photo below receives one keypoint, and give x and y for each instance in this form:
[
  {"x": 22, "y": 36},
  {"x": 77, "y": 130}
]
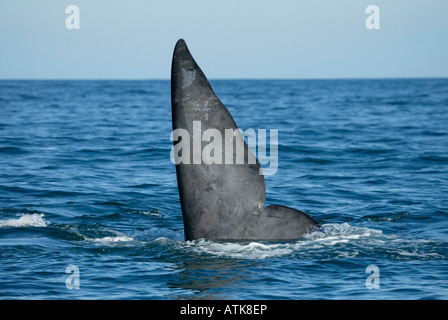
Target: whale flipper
[{"x": 221, "y": 200}]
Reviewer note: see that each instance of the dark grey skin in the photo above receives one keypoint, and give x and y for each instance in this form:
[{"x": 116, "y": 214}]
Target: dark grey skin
[{"x": 222, "y": 201}]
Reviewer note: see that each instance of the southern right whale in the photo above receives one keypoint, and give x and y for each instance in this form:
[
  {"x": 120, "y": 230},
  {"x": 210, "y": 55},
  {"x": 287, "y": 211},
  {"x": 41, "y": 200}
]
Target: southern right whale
[{"x": 221, "y": 201}]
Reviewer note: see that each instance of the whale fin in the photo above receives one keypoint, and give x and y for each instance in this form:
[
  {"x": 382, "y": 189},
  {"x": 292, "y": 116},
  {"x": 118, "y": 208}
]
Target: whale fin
[{"x": 222, "y": 192}]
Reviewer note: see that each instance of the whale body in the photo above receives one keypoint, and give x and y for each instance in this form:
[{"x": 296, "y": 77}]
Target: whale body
[{"x": 220, "y": 200}]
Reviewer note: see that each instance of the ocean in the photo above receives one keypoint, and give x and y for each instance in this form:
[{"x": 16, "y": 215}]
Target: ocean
[{"x": 89, "y": 206}]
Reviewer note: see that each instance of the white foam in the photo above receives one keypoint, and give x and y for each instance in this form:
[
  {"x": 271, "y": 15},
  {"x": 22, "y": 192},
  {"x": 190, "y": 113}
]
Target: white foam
[
  {"x": 334, "y": 234},
  {"x": 151, "y": 213},
  {"x": 113, "y": 239},
  {"x": 25, "y": 220},
  {"x": 341, "y": 232},
  {"x": 253, "y": 250}
]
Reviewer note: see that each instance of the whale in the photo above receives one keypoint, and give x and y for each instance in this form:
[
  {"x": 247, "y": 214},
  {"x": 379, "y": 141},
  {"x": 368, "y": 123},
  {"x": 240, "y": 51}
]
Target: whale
[{"x": 220, "y": 200}]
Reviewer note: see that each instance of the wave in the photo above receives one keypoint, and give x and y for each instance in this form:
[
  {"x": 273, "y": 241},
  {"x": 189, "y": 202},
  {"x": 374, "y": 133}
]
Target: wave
[
  {"x": 105, "y": 236},
  {"x": 332, "y": 241},
  {"x": 112, "y": 239},
  {"x": 26, "y": 220}
]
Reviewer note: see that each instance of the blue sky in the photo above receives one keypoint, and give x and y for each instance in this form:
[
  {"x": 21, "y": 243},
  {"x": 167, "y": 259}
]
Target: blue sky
[{"x": 134, "y": 39}]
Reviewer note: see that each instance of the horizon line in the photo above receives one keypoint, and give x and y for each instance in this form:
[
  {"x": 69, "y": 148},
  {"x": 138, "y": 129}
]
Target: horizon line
[{"x": 229, "y": 79}]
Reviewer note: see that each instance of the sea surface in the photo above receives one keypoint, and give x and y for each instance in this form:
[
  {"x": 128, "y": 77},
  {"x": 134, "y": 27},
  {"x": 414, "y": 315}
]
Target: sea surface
[{"x": 89, "y": 206}]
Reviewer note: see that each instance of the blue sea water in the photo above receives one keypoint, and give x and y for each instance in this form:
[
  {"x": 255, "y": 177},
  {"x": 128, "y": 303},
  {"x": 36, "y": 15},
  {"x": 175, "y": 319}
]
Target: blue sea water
[{"x": 86, "y": 181}]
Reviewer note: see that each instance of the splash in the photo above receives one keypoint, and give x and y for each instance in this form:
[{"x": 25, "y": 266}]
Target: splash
[
  {"x": 332, "y": 235},
  {"x": 26, "y": 220}
]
